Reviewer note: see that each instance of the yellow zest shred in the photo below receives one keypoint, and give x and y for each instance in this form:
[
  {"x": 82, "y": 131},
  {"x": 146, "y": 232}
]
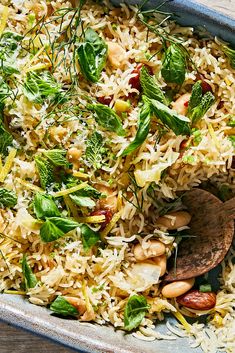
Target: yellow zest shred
[
  {"x": 87, "y": 301},
  {"x": 0, "y": 163},
  {"x": 69, "y": 203},
  {"x": 29, "y": 185},
  {"x": 81, "y": 175},
  {"x": 182, "y": 320},
  {"x": 91, "y": 219},
  {"x": 119, "y": 200},
  {"x": 18, "y": 292},
  {"x": 38, "y": 67},
  {"x": 213, "y": 136},
  {"x": 110, "y": 226},
  {"x": 33, "y": 58},
  {"x": 4, "y": 17},
  {"x": 7, "y": 166},
  {"x": 70, "y": 190},
  {"x": 227, "y": 81}
]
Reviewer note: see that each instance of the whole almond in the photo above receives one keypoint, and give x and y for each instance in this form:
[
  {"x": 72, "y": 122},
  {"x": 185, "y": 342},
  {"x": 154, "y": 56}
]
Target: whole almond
[{"x": 194, "y": 299}]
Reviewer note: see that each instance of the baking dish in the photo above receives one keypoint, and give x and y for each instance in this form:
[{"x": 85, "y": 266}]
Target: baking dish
[{"x": 94, "y": 338}]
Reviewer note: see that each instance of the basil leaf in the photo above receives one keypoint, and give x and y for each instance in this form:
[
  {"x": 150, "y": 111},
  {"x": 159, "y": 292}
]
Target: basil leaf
[
  {"x": 30, "y": 279},
  {"x": 232, "y": 139},
  {"x": 95, "y": 150},
  {"x": 92, "y": 55},
  {"x": 5, "y": 91},
  {"x": 82, "y": 201},
  {"x": 174, "y": 64},
  {"x": 177, "y": 123},
  {"x": 200, "y": 110},
  {"x": 230, "y": 53},
  {"x": 204, "y": 288},
  {"x": 88, "y": 191},
  {"x": 45, "y": 172},
  {"x": 135, "y": 311},
  {"x": 89, "y": 237},
  {"x": 150, "y": 87},
  {"x": 6, "y": 140},
  {"x": 195, "y": 98},
  {"x": 41, "y": 86},
  {"x": 44, "y": 206},
  {"x": 9, "y": 50},
  {"x": 7, "y": 198},
  {"x": 143, "y": 128},
  {"x": 61, "y": 306},
  {"x": 55, "y": 227},
  {"x": 57, "y": 157},
  {"x": 107, "y": 118}
]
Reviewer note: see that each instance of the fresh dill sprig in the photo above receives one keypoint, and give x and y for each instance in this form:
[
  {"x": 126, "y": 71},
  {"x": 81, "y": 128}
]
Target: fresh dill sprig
[{"x": 136, "y": 190}]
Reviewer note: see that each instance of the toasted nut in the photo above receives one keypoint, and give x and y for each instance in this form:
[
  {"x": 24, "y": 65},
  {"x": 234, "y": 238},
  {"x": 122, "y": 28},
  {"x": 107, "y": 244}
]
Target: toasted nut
[
  {"x": 109, "y": 202},
  {"x": 74, "y": 154},
  {"x": 78, "y": 303},
  {"x": 175, "y": 220},
  {"x": 58, "y": 133},
  {"x": 175, "y": 289},
  {"x": 155, "y": 248},
  {"x": 181, "y": 104},
  {"x": 230, "y": 132},
  {"x": 194, "y": 299},
  {"x": 161, "y": 262},
  {"x": 116, "y": 55}
]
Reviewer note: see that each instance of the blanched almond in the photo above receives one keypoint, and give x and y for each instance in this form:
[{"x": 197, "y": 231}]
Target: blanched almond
[
  {"x": 174, "y": 220},
  {"x": 116, "y": 55}
]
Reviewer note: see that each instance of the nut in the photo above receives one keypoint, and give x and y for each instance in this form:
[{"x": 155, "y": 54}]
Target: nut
[
  {"x": 177, "y": 288},
  {"x": 174, "y": 220},
  {"x": 194, "y": 299},
  {"x": 155, "y": 248}
]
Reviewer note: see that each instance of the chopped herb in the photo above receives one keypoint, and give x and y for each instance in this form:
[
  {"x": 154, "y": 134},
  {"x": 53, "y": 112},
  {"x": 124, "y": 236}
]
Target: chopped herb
[
  {"x": 95, "y": 150},
  {"x": 7, "y": 198},
  {"x": 41, "y": 86},
  {"x": 174, "y": 64},
  {"x": 143, "y": 128},
  {"x": 45, "y": 171},
  {"x": 230, "y": 53},
  {"x": 135, "y": 311},
  {"x": 82, "y": 201},
  {"x": 92, "y": 55},
  {"x": 89, "y": 237},
  {"x": 189, "y": 159},
  {"x": 200, "y": 110},
  {"x": 44, "y": 206},
  {"x": 6, "y": 140},
  {"x": 30, "y": 279},
  {"x": 62, "y": 307},
  {"x": 107, "y": 118},
  {"x": 197, "y": 136},
  {"x": 150, "y": 87},
  {"x": 231, "y": 121},
  {"x": 232, "y": 139},
  {"x": 196, "y": 97},
  {"x": 9, "y": 50},
  {"x": 57, "y": 157},
  {"x": 177, "y": 123},
  {"x": 204, "y": 288},
  {"x": 56, "y": 227}
]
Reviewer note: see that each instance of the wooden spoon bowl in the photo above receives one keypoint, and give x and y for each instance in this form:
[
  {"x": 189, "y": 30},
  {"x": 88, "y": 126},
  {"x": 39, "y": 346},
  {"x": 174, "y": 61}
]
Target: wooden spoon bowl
[{"x": 212, "y": 224}]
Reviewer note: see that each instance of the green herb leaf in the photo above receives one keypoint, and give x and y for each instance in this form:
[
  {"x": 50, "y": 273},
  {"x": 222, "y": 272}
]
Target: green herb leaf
[
  {"x": 41, "y": 86},
  {"x": 107, "y": 118},
  {"x": 9, "y": 50},
  {"x": 89, "y": 237},
  {"x": 30, "y": 279},
  {"x": 92, "y": 55},
  {"x": 44, "y": 206},
  {"x": 57, "y": 157},
  {"x": 150, "y": 87},
  {"x": 230, "y": 53},
  {"x": 200, "y": 110},
  {"x": 62, "y": 307},
  {"x": 45, "y": 172},
  {"x": 232, "y": 139},
  {"x": 143, "y": 128},
  {"x": 171, "y": 119},
  {"x": 95, "y": 150},
  {"x": 195, "y": 98},
  {"x": 6, "y": 140},
  {"x": 89, "y": 191},
  {"x": 135, "y": 311},
  {"x": 174, "y": 64},
  {"x": 5, "y": 91},
  {"x": 82, "y": 201},
  {"x": 55, "y": 227},
  {"x": 204, "y": 288},
  {"x": 7, "y": 198},
  {"x": 231, "y": 121}
]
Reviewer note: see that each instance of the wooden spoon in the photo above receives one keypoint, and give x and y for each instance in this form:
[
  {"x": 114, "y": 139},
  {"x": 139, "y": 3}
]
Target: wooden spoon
[{"x": 213, "y": 225}]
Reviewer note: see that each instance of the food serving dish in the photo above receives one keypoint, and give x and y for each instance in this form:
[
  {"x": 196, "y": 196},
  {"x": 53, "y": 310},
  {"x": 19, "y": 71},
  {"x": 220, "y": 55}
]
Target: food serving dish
[{"x": 94, "y": 338}]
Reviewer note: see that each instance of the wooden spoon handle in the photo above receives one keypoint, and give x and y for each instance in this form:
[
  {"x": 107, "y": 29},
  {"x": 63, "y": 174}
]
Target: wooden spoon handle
[{"x": 229, "y": 207}]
